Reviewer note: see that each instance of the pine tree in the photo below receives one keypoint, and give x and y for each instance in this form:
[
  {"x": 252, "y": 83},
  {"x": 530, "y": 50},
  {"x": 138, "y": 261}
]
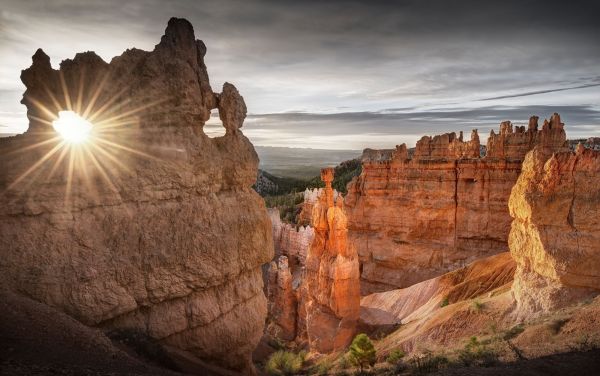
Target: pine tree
[{"x": 362, "y": 351}]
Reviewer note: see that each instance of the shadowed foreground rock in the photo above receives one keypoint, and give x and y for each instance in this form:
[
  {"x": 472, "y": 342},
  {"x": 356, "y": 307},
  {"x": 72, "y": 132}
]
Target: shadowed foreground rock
[
  {"x": 150, "y": 225},
  {"x": 555, "y": 234}
]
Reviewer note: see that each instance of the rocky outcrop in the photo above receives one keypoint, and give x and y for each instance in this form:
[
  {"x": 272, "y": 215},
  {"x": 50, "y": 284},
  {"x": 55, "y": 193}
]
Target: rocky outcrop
[
  {"x": 150, "y": 225},
  {"x": 412, "y": 219},
  {"x": 290, "y": 240},
  {"x": 444, "y": 146},
  {"x": 282, "y": 301},
  {"x": 389, "y": 308},
  {"x": 331, "y": 281},
  {"x": 514, "y": 144},
  {"x": 555, "y": 234},
  {"x": 310, "y": 198}
]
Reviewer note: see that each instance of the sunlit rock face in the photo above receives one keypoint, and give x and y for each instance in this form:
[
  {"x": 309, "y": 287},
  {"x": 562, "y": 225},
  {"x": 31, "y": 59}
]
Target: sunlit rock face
[
  {"x": 412, "y": 219},
  {"x": 555, "y": 234},
  {"x": 290, "y": 240},
  {"x": 150, "y": 224},
  {"x": 331, "y": 280}
]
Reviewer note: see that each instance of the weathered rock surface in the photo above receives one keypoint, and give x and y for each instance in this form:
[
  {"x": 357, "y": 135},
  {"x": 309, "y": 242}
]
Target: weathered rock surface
[
  {"x": 414, "y": 219},
  {"x": 282, "y": 301},
  {"x": 290, "y": 240},
  {"x": 388, "y": 308},
  {"x": 555, "y": 234},
  {"x": 331, "y": 281},
  {"x": 311, "y": 197},
  {"x": 151, "y": 225}
]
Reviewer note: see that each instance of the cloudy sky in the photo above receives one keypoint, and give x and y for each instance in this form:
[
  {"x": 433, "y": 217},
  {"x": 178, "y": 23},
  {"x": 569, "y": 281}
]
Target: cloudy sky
[{"x": 344, "y": 74}]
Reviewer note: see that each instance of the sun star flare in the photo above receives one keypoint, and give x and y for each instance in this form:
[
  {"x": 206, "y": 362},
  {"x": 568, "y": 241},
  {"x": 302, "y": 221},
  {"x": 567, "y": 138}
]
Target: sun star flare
[{"x": 72, "y": 127}]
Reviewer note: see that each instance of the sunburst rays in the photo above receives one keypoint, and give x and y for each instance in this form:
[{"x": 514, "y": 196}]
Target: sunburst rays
[{"x": 109, "y": 149}]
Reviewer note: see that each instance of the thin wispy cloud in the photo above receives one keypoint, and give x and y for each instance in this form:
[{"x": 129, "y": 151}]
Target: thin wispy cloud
[{"x": 539, "y": 92}]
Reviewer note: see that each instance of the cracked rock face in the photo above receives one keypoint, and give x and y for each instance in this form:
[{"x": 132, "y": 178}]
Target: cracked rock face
[
  {"x": 555, "y": 234},
  {"x": 150, "y": 225}
]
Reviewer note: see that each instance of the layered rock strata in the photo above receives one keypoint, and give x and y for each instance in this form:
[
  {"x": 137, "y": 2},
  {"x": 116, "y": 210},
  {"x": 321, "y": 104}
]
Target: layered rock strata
[
  {"x": 386, "y": 309},
  {"x": 150, "y": 225},
  {"x": 555, "y": 234},
  {"x": 412, "y": 219},
  {"x": 290, "y": 240},
  {"x": 331, "y": 281}
]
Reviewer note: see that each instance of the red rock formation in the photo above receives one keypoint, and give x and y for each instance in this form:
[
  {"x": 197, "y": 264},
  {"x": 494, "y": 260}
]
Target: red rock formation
[
  {"x": 515, "y": 144},
  {"x": 282, "y": 301},
  {"x": 331, "y": 282},
  {"x": 151, "y": 225},
  {"x": 414, "y": 219},
  {"x": 447, "y": 146},
  {"x": 311, "y": 196},
  {"x": 555, "y": 234}
]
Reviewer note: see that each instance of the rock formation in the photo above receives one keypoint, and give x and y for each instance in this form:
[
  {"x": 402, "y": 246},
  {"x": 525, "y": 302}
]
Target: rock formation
[
  {"x": 555, "y": 234},
  {"x": 282, "y": 301},
  {"x": 290, "y": 240},
  {"x": 388, "y": 308},
  {"x": 151, "y": 225},
  {"x": 311, "y": 197},
  {"x": 412, "y": 219},
  {"x": 331, "y": 281},
  {"x": 515, "y": 144}
]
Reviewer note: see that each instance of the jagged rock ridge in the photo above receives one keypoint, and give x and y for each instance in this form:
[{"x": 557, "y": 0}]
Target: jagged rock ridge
[
  {"x": 412, "y": 219},
  {"x": 152, "y": 225}
]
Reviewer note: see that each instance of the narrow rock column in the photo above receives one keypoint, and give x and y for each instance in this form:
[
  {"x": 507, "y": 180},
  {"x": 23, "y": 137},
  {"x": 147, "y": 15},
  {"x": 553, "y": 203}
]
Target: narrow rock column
[{"x": 332, "y": 276}]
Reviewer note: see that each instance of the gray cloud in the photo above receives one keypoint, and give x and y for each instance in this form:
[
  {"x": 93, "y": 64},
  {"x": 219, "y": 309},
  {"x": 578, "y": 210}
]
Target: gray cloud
[
  {"x": 357, "y": 130},
  {"x": 330, "y": 57}
]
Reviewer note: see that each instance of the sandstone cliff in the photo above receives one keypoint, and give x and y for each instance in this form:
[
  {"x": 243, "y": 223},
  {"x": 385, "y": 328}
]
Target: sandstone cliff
[
  {"x": 331, "y": 282},
  {"x": 555, "y": 234},
  {"x": 150, "y": 225},
  {"x": 412, "y": 219}
]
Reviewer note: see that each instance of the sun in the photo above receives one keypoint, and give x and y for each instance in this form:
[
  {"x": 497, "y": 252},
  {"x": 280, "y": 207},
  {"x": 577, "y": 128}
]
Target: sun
[{"x": 72, "y": 127}]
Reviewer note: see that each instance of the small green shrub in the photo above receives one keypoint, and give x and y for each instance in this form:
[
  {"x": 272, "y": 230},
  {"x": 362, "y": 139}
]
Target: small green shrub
[
  {"x": 395, "y": 356},
  {"x": 513, "y": 332},
  {"x": 362, "y": 352},
  {"x": 343, "y": 362},
  {"x": 476, "y": 353},
  {"x": 477, "y": 306},
  {"x": 284, "y": 363},
  {"x": 444, "y": 302},
  {"x": 321, "y": 368}
]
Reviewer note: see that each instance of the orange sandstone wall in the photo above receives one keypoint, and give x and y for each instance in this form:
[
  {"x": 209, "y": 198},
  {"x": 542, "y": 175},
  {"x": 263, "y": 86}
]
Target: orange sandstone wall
[
  {"x": 555, "y": 235},
  {"x": 414, "y": 219}
]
